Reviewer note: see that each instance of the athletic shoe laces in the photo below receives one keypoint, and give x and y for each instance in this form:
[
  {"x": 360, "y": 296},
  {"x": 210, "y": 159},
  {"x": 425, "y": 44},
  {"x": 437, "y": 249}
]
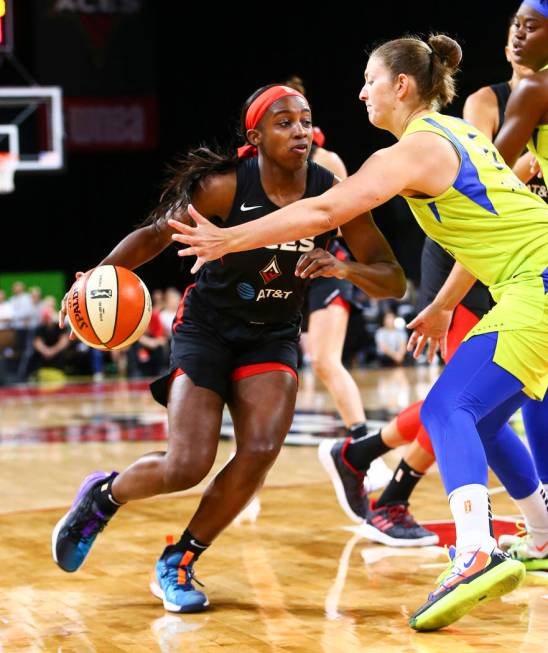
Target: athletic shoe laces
[
  {"x": 398, "y": 513},
  {"x": 173, "y": 575},
  {"x": 449, "y": 573}
]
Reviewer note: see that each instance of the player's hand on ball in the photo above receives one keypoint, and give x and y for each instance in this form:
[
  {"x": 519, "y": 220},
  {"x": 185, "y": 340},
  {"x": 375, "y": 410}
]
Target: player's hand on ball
[
  {"x": 64, "y": 308},
  {"x": 108, "y": 307}
]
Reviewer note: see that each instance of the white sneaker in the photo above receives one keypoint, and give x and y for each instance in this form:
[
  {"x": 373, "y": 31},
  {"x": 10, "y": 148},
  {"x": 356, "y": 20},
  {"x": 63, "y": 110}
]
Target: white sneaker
[{"x": 522, "y": 548}]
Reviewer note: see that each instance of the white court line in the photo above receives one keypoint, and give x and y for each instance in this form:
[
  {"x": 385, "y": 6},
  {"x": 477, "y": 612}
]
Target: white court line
[{"x": 499, "y": 489}]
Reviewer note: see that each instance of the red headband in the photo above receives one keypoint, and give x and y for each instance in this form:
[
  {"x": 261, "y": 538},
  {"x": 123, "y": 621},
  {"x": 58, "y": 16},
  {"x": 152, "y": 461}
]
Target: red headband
[{"x": 259, "y": 107}]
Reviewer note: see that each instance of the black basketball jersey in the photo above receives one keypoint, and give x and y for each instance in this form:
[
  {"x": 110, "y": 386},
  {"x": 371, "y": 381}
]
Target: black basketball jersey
[
  {"x": 436, "y": 264},
  {"x": 259, "y": 286},
  {"x": 536, "y": 184},
  {"x": 502, "y": 91}
]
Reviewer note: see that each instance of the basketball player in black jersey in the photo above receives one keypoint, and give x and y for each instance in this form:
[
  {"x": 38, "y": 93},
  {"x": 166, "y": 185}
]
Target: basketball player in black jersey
[{"x": 235, "y": 338}]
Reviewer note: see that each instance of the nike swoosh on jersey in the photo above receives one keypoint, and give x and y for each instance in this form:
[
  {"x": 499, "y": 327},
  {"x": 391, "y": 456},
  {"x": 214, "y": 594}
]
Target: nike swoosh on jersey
[
  {"x": 540, "y": 549},
  {"x": 249, "y": 208}
]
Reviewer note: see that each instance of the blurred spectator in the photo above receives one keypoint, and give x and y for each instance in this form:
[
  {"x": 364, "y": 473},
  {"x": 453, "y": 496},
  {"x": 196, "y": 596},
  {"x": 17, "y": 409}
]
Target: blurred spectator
[
  {"x": 36, "y": 307},
  {"x": 97, "y": 362},
  {"x": 158, "y": 301},
  {"x": 119, "y": 363},
  {"x": 7, "y": 341},
  {"x": 391, "y": 342},
  {"x": 21, "y": 305},
  {"x": 148, "y": 357},
  {"x": 407, "y": 305},
  {"x": 6, "y": 311},
  {"x": 172, "y": 299},
  {"x": 50, "y": 302},
  {"x": 49, "y": 343}
]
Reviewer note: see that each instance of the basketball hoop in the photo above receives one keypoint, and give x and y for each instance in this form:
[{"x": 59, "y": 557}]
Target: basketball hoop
[{"x": 8, "y": 164}]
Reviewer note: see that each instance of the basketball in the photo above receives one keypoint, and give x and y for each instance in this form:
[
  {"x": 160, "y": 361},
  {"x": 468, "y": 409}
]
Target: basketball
[{"x": 109, "y": 307}]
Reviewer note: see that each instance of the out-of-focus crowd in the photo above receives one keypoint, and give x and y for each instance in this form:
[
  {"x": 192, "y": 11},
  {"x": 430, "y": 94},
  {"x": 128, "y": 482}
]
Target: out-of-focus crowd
[{"x": 33, "y": 347}]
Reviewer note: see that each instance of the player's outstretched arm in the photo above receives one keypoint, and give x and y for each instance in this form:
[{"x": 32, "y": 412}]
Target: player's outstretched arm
[{"x": 419, "y": 164}]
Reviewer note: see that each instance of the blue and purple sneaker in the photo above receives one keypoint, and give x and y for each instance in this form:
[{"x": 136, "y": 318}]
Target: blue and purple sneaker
[{"x": 75, "y": 532}]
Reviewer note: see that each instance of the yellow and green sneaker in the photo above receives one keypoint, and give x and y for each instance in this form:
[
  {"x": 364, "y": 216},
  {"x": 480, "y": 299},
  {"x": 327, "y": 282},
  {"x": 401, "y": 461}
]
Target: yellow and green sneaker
[
  {"x": 470, "y": 578},
  {"x": 521, "y": 547}
]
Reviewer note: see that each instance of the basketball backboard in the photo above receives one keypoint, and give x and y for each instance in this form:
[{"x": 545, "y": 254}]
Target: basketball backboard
[
  {"x": 9, "y": 139},
  {"x": 36, "y": 114}
]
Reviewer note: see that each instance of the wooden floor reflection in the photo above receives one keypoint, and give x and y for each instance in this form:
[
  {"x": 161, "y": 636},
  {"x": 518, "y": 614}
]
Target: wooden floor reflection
[{"x": 301, "y": 579}]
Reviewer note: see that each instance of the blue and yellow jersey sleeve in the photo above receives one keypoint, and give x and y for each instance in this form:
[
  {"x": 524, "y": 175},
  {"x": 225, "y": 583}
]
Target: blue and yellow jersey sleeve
[{"x": 487, "y": 219}]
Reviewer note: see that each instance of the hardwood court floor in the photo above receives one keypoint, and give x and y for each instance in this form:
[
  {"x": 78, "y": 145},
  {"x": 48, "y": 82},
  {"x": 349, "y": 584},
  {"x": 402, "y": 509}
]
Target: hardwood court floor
[{"x": 301, "y": 579}]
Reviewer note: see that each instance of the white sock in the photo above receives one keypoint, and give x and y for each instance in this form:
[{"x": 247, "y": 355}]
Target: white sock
[
  {"x": 535, "y": 510},
  {"x": 471, "y": 512}
]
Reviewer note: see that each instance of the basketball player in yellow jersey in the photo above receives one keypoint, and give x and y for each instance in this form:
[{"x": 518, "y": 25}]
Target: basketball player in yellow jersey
[
  {"x": 526, "y": 111},
  {"x": 472, "y": 204},
  {"x": 526, "y": 116}
]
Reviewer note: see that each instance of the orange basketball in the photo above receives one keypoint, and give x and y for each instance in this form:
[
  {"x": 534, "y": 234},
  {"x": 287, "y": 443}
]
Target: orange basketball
[{"x": 109, "y": 307}]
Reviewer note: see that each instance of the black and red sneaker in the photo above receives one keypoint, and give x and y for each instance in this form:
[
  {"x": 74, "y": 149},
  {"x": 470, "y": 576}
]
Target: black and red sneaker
[
  {"x": 347, "y": 481},
  {"x": 392, "y": 524}
]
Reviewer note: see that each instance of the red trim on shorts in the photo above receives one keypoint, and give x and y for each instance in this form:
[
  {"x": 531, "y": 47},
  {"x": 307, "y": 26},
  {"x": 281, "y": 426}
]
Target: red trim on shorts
[
  {"x": 463, "y": 321},
  {"x": 174, "y": 375},
  {"x": 260, "y": 368},
  {"x": 340, "y": 301},
  {"x": 179, "y": 315}
]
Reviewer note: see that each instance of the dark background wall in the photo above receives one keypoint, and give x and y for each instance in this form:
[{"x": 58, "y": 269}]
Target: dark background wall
[{"x": 201, "y": 64}]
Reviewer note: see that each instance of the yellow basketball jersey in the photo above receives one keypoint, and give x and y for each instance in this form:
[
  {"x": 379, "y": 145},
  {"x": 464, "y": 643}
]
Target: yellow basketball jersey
[
  {"x": 538, "y": 145},
  {"x": 488, "y": 220}
]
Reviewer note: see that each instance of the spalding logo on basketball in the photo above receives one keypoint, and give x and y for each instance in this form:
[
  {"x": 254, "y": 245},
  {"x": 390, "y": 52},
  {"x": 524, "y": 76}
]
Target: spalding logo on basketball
[{"x": 109, "y": 307}]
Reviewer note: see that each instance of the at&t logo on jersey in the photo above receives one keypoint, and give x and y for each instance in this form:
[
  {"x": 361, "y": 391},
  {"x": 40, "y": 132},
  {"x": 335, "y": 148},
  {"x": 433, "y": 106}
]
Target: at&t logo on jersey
[
  {"x": 271, "y": 271},
  {"x": 271, "y": 293},
  {"x": 245, "y": 290}
]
